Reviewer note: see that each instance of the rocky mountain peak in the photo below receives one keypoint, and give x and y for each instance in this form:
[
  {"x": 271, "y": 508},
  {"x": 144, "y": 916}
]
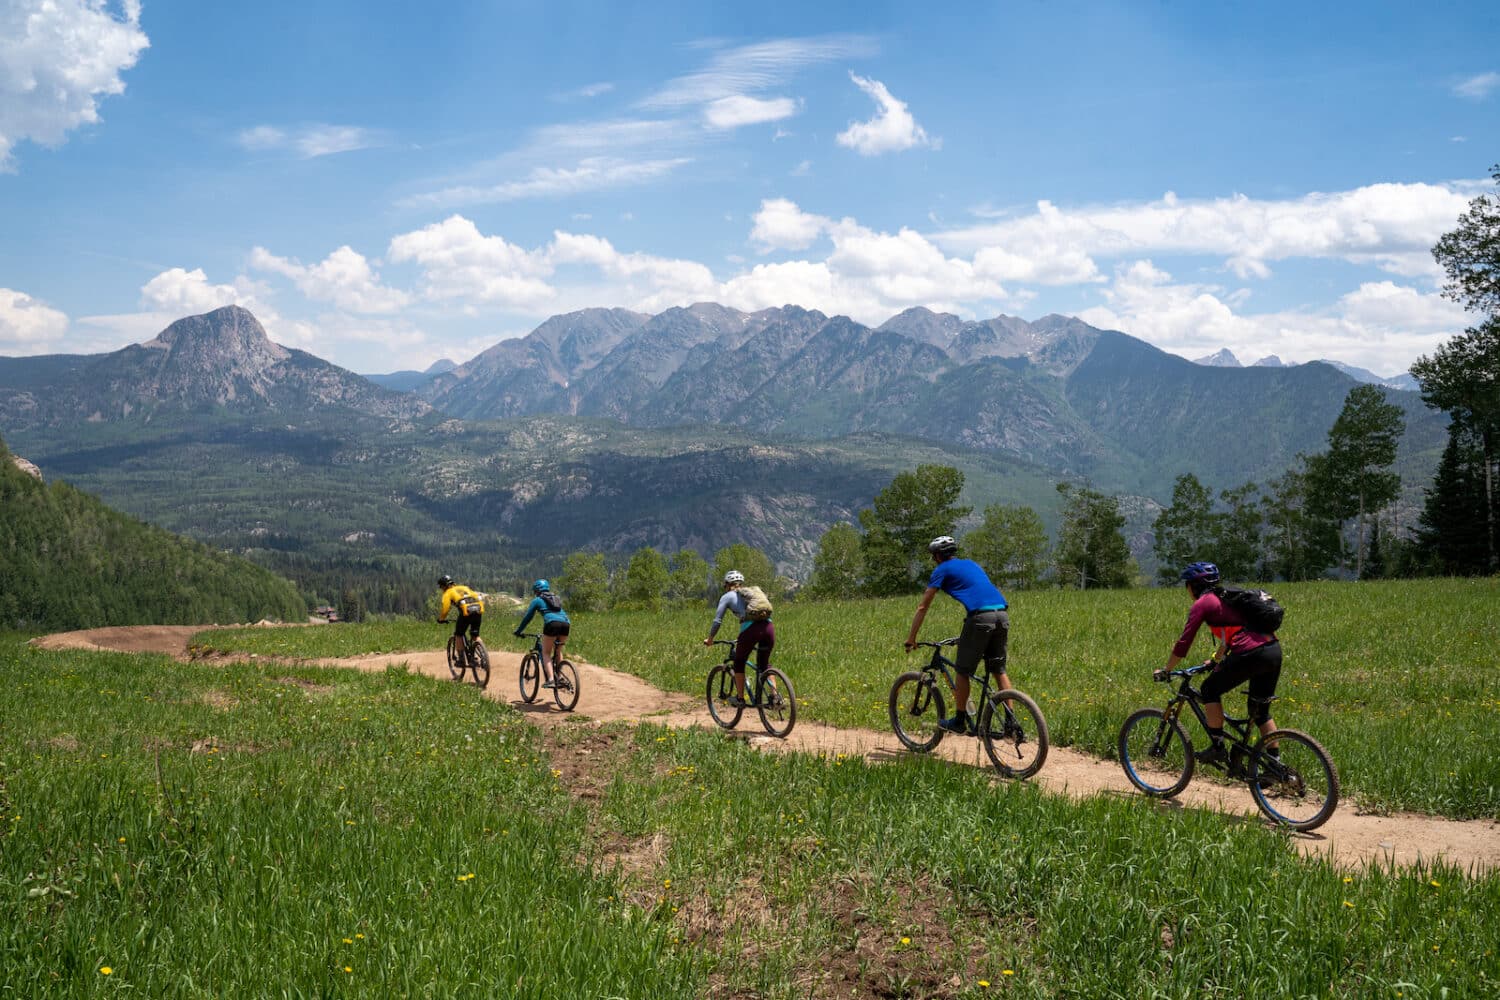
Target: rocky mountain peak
[
  {"x": 26, "y": 467},
  {"x": 230, "y": 337},
  {"x": 1222, "y": 358}
]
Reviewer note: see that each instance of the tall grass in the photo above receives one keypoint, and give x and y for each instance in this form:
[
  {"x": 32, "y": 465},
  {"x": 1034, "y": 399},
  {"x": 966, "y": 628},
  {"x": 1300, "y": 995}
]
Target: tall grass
[
  {"x": 1399, "y": 680},
  {"x": 178, "y": 831}
]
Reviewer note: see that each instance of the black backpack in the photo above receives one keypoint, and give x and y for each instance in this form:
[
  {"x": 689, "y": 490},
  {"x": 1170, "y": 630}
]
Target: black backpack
[
  {"x": 551, "y": 600},
  {"x": 1259, "y": 609}
]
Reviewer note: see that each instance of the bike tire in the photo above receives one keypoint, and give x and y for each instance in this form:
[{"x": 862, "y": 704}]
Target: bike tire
[
  {"x": 531, "y": 677},
  {"x": 455, "y": 658},
  {"x": 566, "y": 691},
  {"x": 1014, "y": 733},
  {"x": 1156, "y": 753},
  {"x": 777, "y": 703},
  {"x": 915, "y": 707},
  {"x": 479, "y": 662},
  {"x": 1303, "y": 787},
  {"x": 720, "y": 690}
]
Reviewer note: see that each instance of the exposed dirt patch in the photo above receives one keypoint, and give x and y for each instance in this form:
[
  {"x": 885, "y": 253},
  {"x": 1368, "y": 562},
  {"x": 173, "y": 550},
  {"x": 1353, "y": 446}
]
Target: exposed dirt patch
[
  {"x": 311, "y": 687},
  {"x": 1349, "y": 838},
  {"x": 67, "y": 742},
  {"x": 221, "y": 700}
]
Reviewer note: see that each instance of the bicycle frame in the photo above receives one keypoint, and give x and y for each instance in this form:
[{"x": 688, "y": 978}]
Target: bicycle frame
[
  {"x": 760, "y": 675},
  {"x": 948, "y": 670},
  {"x": 1239, "y": 729}
]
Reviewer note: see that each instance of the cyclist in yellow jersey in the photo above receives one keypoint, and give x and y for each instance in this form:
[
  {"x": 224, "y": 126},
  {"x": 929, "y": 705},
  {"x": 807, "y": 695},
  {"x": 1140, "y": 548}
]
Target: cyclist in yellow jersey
[{"x": 469, "y": 604}]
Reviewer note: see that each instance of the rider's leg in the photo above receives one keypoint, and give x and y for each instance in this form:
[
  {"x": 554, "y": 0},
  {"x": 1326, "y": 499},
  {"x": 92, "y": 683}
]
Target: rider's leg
[
  {"x": 1263, "y": 687},
  {"x": 995, "y": 654}
]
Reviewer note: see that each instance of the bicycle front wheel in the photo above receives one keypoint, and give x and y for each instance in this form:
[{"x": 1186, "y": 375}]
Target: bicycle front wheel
[
  {"x": 565, "y": 685},
  {"x": 455, "y": 658},
  {"x": 777, "y": 703},
  {"x": 916, "y": 706},
  {"x": 1155, "y": 753},
  {"x": 1014, "y": 734},
  {"x": 479, "y": 662},
  {"x": 531, "y": 677},
  {"x": 720, "y": 693},
  {"x": 1298, "y": 787}
]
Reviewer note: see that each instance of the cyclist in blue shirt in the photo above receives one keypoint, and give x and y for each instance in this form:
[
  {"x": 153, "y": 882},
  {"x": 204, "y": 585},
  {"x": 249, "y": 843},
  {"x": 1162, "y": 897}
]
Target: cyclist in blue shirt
[
  {"x": 555, "y": 624},
  {"x": 986, "y": 625}
]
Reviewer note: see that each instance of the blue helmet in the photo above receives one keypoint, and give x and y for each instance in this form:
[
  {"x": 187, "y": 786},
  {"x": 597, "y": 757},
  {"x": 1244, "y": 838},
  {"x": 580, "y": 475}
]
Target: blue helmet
[
  {"x": 539, "y": 586},
  {"x": 1199, "y": 575}
]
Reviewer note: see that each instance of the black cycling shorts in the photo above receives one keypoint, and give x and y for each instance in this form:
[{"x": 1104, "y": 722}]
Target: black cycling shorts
[
  {"x": 1261, "y": 667},
  {"x": 984, "y": 636},
  {"x": 554, "y": 628},
  {"x": 470, "y": 623}
]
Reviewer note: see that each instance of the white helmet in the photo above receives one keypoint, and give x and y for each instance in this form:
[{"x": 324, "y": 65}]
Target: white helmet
[
  {"x": 734, "y": 576},
  {"x": 942, "y": 544}
]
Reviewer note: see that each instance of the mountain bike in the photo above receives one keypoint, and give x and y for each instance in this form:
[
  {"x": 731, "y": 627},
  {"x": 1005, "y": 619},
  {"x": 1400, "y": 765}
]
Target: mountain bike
[
  {"x": 1290, "y": 775},
  {"x": 1010, "y": 725},
  {"x": 561, "y": 678},
  {"x": 467, "y": 652},
  {"x": 769, "y": 693}
]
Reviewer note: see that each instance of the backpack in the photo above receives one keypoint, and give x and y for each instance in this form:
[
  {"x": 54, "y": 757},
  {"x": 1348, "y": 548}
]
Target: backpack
[
  {"x": 1259, "y": 609},
  {"x": 551, "y": 601},
  {"x": 757, "y": 604},
  {"x": 471, "y": 604}
]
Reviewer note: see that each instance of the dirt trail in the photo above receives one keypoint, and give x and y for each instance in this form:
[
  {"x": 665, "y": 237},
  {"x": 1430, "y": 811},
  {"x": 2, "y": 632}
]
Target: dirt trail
[{"x": 1350, "y": 838}]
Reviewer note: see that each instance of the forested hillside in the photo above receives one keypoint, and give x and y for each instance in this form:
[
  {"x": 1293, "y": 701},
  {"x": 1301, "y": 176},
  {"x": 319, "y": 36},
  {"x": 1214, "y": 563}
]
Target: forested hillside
[{"x": 67, "y": 561}]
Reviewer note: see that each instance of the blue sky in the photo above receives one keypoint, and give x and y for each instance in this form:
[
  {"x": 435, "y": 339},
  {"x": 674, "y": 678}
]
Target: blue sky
[{"x": 385, "y": 185}]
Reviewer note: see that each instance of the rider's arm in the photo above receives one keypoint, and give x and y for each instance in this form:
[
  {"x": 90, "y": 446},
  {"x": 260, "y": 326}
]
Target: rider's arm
[
  {"x": 530, "y": 610},
  {"x": 447, "y": 603},
  {"x": 724, "y": 604},
  {"x": 916, "y": 622},
  {"x": 1195, "y": 617}
]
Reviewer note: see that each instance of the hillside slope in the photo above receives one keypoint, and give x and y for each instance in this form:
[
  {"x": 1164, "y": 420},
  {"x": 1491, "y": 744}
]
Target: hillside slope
[{"x": 67, "y": 561}]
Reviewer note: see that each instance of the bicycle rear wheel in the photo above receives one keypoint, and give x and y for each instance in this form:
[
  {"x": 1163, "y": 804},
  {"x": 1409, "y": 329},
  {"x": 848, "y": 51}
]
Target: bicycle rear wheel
[
  {"x": 1155, "y": 753},
  {"x": 1014, "y": 734},
  {"x": 479, "y": 662},
  {"x": 565, "y": 685},
  {"x": 777, "y": 703},
  {"x": 915, "y": 707},
  {"x": 1300, "y": 787},
  {"x": 531, "y": 677},
  {"x": 720, "y": 691},
  {"x": 455, "y": 658}
]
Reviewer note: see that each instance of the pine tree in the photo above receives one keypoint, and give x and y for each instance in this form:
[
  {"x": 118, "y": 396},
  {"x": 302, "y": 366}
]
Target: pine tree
[
  {"x": 1091, "y": 550},
  {"x": 1011, "y": 544},
  {"x": 1451, "y": 532},
  {"x": 838, "y": 567},
  {"x": 1186, "y": 531}
]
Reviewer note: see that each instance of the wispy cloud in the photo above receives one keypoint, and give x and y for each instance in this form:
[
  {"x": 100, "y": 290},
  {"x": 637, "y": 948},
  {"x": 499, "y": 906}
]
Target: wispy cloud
[
  {"x": 891, "y": 130},
  {"x": 592, "y": 173},
  {"x": 1478, "y": 87},
  {"x": 588, "y": 92},
  {"x": 309, "y": 141},
  {"x": 747, "y": 69}
]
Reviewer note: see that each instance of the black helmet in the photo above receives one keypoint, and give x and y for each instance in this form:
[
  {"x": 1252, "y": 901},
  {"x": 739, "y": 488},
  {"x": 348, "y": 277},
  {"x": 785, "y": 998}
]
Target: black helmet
[
  {"x": 942, "y": 545},
  {"x": 445, "y": 581}
]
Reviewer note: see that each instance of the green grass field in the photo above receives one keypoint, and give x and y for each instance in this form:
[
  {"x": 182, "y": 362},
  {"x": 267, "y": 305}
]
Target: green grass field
[
  {"x": 1400, "y": 680},
  {"x": 200, "y": 831}
]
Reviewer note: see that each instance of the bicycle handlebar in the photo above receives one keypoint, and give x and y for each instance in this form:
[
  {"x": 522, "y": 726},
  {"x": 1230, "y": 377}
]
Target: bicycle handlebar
[
  {"x": 940, "y": 645},
  {"x": 1193, "y": 671},
  {"x": 724, "y": 642}
]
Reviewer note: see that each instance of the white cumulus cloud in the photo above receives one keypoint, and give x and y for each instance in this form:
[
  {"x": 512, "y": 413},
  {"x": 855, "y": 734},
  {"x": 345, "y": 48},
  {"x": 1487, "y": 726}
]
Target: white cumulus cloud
[
  {"x": 57, "y": 58},
  {"x": 891, "y": 130},
  {"x": 781, "y": 225},
  {"x": 343, "y": 278},
  {"x": 178, "y": 292},
  {"x": 1390, "y": 226},
  {"x": 461, "y": 264},
  {"x": 28, "y": 326},
  {"x": 1381, "y": 326}
]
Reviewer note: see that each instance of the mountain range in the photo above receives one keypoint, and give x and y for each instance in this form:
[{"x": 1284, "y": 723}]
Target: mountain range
[
  {"x": 1224, "y": 358},
  {"x": 612, "y": 429}
]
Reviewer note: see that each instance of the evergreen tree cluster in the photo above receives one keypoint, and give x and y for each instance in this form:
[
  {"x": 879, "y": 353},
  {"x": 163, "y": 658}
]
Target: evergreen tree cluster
[{"x": 68, "y": 562}]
